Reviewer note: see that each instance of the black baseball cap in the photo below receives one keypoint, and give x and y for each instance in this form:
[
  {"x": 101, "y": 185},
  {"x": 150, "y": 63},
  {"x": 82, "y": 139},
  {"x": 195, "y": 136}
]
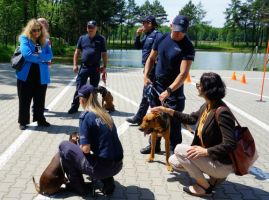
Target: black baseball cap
[
  {"x": 85, "y": 91},
  {"x": 92, "y": 23},
  {"x": 180, "y": 23},
  {"x": 151, "y": 19}
]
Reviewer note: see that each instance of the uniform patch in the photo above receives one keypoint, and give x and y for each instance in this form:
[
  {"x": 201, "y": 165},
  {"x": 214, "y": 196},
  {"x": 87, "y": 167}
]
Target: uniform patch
[{"x": 177, "y": 49}]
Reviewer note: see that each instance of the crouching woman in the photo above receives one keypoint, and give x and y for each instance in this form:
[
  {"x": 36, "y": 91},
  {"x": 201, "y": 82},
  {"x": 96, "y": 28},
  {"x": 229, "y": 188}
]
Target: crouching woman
[
  {"x": 99, "y": 153},
  {"x": 213, "y": 138}
]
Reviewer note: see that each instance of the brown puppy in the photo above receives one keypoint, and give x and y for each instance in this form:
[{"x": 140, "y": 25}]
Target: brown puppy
[
  {"x": 107, "y": 99},
  {"x": 157, "y": 125},
  {"x": 53, "y": 177}
]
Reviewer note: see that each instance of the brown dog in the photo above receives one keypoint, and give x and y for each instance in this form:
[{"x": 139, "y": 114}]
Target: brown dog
[
  {"x": 107, "y": 99},
  {"x": 157, "y": 125},
  {"x": 53, "y": 177}
]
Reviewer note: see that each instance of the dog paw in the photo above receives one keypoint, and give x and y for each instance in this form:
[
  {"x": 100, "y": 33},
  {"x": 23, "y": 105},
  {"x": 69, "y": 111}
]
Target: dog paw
[
  {"x": 150, "y": 159},
  {"x": 169, "y": 168}
]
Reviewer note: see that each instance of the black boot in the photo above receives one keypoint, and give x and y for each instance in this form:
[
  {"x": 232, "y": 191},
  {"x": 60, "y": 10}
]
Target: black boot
[
  {"x": 147, "y": 149},
  {"x": 134, "y": 120},
  {"x": 108, "y": 186}
]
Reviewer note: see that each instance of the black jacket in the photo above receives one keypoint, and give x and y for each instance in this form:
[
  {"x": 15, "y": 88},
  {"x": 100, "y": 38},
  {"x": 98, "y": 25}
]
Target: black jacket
[{"x": 218, "y": 137}]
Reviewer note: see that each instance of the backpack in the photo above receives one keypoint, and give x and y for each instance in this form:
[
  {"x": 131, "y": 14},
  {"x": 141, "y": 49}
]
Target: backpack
[{"x": 245, "y": 154}]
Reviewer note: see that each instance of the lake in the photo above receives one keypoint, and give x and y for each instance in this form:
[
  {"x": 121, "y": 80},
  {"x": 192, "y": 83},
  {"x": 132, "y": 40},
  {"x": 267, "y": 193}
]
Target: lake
[{"x": 203, "y": 60}]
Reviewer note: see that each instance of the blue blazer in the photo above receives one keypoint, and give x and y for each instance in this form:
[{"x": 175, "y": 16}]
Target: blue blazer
[{"x": 27, "y": 49}]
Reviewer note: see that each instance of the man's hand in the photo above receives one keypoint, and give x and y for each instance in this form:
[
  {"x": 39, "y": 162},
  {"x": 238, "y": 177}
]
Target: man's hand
[
  {"x": 164, "y": 95},
  {"x": 102, "y": 69},
  {"x": 139, "y": 31},
  {"x": 75, "y": 69},
  {"x": 146, "y": 81}
]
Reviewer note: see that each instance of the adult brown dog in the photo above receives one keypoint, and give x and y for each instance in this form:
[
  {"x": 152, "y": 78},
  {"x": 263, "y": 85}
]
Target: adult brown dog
[
  {"x": 107, "y": 99},
  {"x": 53, "y": 177},
  {"x": 157, "y": 125}
]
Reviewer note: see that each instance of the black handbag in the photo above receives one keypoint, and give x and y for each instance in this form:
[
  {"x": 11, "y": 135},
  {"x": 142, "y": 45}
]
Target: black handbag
[{"x": 17, "y": 60}]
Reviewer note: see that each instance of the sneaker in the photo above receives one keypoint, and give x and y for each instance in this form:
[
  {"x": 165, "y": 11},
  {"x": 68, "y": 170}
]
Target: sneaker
[
  {"x": 108, "y": 186},
  {"x": 134, "y": 120},
  {"x": 147, "y": 149},
  {"x": 72, "y": 110},
  {"x": 43, "y": 123},
  {"x": 22, "y": 127}
]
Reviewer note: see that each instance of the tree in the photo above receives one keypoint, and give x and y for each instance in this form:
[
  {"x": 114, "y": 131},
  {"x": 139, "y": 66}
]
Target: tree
[
  {"x": 155, "y": 9},
  {"x": 232, "y": 18},
  {"x": 195, "y": 14}
]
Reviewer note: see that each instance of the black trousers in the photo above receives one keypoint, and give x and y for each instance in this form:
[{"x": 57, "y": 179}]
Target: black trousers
[
  {"x": 144, "y": 104},
  {"x": 29, "y": 90},
  {"x": 83, "y": 75}
]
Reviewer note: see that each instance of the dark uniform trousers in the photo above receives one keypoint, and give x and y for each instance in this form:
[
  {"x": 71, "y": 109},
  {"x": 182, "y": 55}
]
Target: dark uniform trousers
[
  {"x": 144, "y": 104},
  {"x": 75, "y": 164},
  {"x": 28, "y": 90},
  {"x": 83, "y": 75},
  {"x": 174, "y": 102}
]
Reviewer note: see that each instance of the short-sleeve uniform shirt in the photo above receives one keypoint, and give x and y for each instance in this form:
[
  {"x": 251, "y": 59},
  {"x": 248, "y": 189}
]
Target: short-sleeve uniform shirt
[
  {"x": 170, "y": 55},
  {"x": 91, "y": 49},
  {"x": 104, "y": 142}
]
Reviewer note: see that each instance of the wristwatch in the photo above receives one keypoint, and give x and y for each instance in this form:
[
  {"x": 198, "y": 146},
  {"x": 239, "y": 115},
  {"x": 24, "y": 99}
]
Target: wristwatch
[{"x": 169, "y": 90}]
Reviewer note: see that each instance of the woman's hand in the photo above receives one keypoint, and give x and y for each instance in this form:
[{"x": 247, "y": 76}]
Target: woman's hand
[
  {"x": 160, "y": 109},
  {"x": 196, "y": 152},
  {"x": 157, "y": 109}
]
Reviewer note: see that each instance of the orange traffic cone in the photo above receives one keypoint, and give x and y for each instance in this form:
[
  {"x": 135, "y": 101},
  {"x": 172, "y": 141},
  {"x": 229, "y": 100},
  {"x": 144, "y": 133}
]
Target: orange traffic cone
[
  {"x": 243, "y": 79},
  {"x": 188, "y": 79},
  {"x": 234, "y": 76}
]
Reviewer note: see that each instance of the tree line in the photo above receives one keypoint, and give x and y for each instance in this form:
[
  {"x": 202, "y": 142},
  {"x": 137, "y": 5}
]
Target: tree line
[{"x": 247, "y": 21}]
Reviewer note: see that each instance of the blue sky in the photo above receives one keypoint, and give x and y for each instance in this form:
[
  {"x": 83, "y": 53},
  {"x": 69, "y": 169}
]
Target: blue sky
[{"x": 214, "y": 9}]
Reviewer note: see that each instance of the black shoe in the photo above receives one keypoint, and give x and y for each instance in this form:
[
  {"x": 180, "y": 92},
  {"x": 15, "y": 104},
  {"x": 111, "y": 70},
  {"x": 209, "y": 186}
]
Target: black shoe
[
  {"x": 108, "y": 186},
  {"x": 147, "y": 149},
  {"x": 46, "y": 110},
  {"x": 43, "y": 123},
  {"x": 72, "y": 110},
  {"x": 78, "y": 188},
  {"x": 22, "y": 127},
  {"x": 134, "y": 120}
]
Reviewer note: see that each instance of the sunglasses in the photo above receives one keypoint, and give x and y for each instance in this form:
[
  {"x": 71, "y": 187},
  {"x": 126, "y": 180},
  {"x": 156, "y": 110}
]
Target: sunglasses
[
  {"x": 198, "y": 85},
  {"x": 36, "y": 30}
]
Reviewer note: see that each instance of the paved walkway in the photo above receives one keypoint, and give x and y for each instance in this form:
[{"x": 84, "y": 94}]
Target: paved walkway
[{"x": 24, "y": 154}]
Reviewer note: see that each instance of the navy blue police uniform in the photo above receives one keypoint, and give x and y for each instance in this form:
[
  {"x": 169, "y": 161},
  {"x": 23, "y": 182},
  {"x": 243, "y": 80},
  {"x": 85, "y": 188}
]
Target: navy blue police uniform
[
  {"x": 91, "y": 49},
  {"x": 170, "y": 55},
  {"x": 105, "y": 159},
  {"x": 146, "y": 45}
]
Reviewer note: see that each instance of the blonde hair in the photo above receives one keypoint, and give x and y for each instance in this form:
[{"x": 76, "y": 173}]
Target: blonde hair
[
  {"x": 27, "y": 30},
  {"x": 93, "y": 105}
]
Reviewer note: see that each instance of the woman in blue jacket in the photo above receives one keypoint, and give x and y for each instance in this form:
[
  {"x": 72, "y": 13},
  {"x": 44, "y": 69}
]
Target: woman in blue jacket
[{"x": 34, "y": 76}]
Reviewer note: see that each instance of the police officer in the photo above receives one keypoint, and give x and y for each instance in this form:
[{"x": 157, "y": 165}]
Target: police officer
[
  {"x": 92, "y": 47},
  {"x": 151, "y": 35},
  {"x": 100, "y": 152},
  {"x": 175, "y": 54}
]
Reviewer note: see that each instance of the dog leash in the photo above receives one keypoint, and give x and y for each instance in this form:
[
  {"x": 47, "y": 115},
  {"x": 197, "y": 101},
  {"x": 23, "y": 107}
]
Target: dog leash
[{"x": 163, "y": 103}]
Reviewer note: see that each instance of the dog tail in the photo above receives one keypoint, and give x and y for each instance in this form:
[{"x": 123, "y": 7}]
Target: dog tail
[{"x": 36, "y": 185}]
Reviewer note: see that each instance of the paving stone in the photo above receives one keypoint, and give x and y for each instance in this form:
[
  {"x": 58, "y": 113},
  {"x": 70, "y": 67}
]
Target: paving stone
[{"x": 138, "y": 178}]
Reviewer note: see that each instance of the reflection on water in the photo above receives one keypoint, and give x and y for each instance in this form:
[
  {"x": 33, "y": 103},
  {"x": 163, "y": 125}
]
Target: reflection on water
[{"x": 203, "y": 60}]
